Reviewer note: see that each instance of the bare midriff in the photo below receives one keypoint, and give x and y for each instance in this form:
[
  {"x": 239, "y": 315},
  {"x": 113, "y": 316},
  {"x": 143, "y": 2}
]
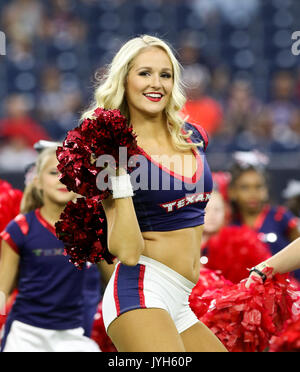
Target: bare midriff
[{"x": 177, "y": 249}]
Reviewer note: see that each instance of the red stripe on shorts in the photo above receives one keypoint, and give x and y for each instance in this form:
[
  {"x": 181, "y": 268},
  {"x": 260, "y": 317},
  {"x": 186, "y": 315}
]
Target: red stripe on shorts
[
  {"x": 116, "y": 291},
  {"x": 141, "y": 286}
]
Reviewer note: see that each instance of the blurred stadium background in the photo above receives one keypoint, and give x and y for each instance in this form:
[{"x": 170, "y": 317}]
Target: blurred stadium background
[{"x": 243, "y": 82}]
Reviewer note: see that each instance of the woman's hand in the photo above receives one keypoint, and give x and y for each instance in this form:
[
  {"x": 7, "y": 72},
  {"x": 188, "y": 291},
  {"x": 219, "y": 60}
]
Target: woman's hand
[
  {"x": 251, "y": 279},
  {"x": 259, "y": 273}
]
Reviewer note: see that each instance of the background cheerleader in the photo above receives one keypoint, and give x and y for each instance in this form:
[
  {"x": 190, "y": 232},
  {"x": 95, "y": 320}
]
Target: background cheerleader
[
  {"x": 251, "y": 206},
  {"x": 230, "y": 249},
  {"x": 48, "y": 312},
  {"x": 93, "y": 281}
]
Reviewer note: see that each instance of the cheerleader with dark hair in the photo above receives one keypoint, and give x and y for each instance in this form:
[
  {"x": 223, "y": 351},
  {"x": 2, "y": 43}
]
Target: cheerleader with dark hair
[{"x": 249, "y": 195}]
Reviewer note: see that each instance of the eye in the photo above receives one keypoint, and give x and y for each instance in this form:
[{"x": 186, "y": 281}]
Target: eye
[
  {"x": 144, "y": 73},
  {"x": 166, "y": 75}
]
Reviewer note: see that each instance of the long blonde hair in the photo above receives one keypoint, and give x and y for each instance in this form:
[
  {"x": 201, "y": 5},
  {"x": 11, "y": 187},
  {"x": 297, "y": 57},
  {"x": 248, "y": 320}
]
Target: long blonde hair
[
  {"x": 110, "y": 92},
  {"x": 32, "y": 196}
]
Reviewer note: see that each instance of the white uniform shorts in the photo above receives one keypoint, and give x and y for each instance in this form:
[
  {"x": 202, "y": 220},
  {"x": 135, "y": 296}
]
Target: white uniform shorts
[
  {"x": 149, "y": 284},
  {"x": 26, "y": 338}
]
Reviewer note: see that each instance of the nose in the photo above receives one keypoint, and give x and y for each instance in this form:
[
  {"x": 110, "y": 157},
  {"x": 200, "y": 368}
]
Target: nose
[{"x": 155, "y": 81}]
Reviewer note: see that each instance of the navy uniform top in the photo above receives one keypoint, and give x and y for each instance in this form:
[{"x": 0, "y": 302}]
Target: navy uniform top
[
  {"x": 50, "y": 287},
  {"x": 164, "y": 200},
  {"x": 273, "y": 225}
]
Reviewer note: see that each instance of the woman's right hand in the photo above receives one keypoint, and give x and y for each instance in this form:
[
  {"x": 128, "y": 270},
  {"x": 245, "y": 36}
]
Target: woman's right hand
[
  {"x": 263, "y": 270},
  {"x": 251, "y": 279}
]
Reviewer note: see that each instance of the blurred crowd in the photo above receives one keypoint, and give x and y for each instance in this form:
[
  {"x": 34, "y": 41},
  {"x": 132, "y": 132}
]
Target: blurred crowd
[{"x": 241, "y": 80}]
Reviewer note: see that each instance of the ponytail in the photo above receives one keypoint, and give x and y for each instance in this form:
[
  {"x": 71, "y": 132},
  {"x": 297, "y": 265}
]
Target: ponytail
[{"x": 32, "y": 199}]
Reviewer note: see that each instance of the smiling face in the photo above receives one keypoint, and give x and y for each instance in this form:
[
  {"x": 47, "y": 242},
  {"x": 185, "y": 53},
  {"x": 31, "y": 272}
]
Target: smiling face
[
  {"x": 48, "y": 182},
  {"x": 149, "y": 83}
]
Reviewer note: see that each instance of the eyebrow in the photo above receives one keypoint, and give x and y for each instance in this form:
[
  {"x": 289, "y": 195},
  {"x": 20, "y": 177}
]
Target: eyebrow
[{"x": 150, "y": 68}]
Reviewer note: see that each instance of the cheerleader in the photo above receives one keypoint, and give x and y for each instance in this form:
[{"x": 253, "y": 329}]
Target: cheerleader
[
  {"x": 231, "y": 249},
  {"x": 48, "y": 312},
  {"x": 92, "y": 288},
  {"x": 155, "y": 233},
  {"x": 249, "y": 194}
]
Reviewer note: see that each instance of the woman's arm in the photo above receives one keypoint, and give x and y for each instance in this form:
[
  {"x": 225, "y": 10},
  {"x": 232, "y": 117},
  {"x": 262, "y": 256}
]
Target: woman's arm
[
  {"x": 288, "y": 259},
  {"x": 285, "y": 261},
  {"x": 124, "y": 237},
  {"x": 9, "y": 266}
]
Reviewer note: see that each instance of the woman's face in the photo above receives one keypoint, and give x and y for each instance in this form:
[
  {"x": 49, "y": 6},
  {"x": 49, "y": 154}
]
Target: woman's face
[
  {"x": 214, "y": 214},
  {"x": 149, "y": 83},
  {"x": 250, "y": 192},
  {"x": 53, "y": 189}
]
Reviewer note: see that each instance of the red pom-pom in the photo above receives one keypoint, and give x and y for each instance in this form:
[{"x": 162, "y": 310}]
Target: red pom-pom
[
  {"x": 83, "y": 229},
  {"x": 289, "y": 339},
  {"x": 10, "y": 200},
  {"x": 99, "y": 334},
  {"x": 209, "y": 282},
  {"x": 103, "y": 135},
  {"x": 234, "y": 250},
  {"x": 246, "y": 319}
]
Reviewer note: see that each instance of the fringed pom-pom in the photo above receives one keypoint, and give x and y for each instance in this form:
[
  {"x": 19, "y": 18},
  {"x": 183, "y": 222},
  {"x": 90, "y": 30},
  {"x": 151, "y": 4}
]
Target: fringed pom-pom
[
  {"x": 233, "y": 250},
  {"x": 99, "y": 334},
  {"x": 83, "y": 229},
  {"x": 209, "y": 282},
  {"x": 102, "y": 135},
  {"x": 289, "y": 339},
  {"x": 246, "y": 319}
]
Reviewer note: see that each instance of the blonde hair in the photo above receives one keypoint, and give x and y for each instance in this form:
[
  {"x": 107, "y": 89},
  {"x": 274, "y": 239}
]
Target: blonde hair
[
  {"x": 32, "y": 196},
  {"x": 110, "y": 92}
]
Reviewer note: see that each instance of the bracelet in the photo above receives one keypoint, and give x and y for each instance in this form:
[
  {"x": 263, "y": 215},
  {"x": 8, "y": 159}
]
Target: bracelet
[
  {"x": 121, "y": 186},
  {"x": 260, "y": 273}
]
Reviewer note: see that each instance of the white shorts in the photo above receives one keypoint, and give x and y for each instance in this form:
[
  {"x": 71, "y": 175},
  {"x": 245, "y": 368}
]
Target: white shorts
[
  {"x": 26, "y": 338},
  {"x": 149, "y": 284}
]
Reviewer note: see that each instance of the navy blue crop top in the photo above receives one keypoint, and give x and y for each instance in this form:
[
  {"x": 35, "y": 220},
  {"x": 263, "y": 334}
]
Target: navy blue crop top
[{"x": 166, "y": 201}]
